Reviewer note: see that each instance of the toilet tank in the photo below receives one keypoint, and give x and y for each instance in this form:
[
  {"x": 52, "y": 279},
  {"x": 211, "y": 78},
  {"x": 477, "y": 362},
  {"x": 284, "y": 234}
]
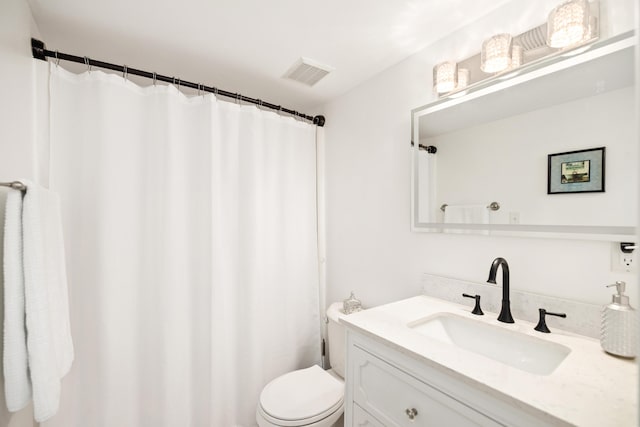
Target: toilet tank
[{"x": 335, "y": 331}]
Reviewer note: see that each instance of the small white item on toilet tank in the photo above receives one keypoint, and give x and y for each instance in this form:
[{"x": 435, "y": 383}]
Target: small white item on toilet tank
[{"x": 351, "y": 304}]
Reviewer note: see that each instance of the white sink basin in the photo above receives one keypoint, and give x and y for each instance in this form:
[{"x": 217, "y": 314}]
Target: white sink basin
[{"x": 512, "y": 348}]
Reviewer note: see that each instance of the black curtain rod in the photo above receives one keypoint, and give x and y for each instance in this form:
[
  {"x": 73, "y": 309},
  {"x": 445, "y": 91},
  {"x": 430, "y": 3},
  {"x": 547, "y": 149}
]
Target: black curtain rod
[
  {"x": 40, "y": 52},
  {"x": 431, "y": 149}
]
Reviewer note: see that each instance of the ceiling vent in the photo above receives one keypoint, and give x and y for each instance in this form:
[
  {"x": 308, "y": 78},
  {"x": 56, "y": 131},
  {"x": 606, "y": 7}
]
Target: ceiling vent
[{"x": 308, "y": 71}]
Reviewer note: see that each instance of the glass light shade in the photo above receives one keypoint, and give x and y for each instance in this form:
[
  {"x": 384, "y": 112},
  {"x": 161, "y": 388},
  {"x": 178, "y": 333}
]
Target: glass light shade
[
  {"x": 517, "y": 56},
  {"x": 445, "y": 77},
  {"x": 568, "y": 24},
  {"x": 496, "y": 53},
  {"x": 463, "y": 78}
]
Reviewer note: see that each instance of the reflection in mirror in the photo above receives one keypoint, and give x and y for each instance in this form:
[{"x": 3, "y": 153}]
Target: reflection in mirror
[{"x": 495, "y": 144}]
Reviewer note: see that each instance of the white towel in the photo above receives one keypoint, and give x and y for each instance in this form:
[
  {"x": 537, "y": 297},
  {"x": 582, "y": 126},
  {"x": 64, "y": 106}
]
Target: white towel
[
  {"x": 15, "y": 365},
  {"x": 466, "y": 214},
  {"x": 49, "y": 345}
]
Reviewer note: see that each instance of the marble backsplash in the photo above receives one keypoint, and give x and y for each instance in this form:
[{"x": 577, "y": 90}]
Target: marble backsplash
[{"x": 582, "y": 318}]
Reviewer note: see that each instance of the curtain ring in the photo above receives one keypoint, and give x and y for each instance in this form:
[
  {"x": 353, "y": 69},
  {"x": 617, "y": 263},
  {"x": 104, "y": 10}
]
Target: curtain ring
[
  {"x": 215, "y": 91},
  {"x": 124, "y": 72},
  {"x": 154, "y": 79},
  {"x": 57, "y": 59},
  {"x": 87, "y": 62},
  {"x": 238, "y": 98},
  {"x": 178, "y": 85}
]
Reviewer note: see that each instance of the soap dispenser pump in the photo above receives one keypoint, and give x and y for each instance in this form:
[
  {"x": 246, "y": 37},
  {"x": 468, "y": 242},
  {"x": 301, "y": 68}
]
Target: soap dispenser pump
[{"x": 618, "y": 334}]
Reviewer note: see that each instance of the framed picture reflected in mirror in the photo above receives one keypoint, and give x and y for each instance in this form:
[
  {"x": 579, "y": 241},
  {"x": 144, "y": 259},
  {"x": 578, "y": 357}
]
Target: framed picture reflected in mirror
[{"x": 580, "y": 171}]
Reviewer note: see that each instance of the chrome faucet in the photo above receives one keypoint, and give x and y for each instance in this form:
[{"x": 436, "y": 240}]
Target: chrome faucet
[{"x": 505, "y": 312}]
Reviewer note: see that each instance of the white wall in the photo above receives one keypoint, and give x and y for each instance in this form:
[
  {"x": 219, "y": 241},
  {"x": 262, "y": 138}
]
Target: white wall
[
  {"x": 17, "y": 106},
  {"x": 370, "y": 248},
  {"x": 17, "y": 134}
]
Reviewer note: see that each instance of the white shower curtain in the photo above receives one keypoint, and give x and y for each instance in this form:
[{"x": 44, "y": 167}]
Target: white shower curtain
[
  {"x": 426, "y": 182},
  {"x": 190, "y": 228}
]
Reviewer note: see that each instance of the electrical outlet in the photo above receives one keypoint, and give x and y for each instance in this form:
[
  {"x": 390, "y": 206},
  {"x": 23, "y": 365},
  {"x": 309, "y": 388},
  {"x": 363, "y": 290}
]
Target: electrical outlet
[
  {"x": 622, "y": 261},
  {"x": 627, "y": 262}
]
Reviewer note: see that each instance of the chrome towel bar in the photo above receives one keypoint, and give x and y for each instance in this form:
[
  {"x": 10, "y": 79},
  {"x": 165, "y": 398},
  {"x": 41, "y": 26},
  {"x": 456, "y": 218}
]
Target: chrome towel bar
[
  {"x": 494, "y": 206},
  {"x": 16, "y": 185}
]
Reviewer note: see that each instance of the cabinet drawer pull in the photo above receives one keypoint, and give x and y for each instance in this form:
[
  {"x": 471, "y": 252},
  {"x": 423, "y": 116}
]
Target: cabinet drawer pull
[{"x": 411, "y": 413}]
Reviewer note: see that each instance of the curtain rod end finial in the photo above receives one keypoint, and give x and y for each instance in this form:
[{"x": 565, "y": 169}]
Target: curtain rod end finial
[
  {"x": 37, "y": 49},
  {"x": 319, "y": 120}
]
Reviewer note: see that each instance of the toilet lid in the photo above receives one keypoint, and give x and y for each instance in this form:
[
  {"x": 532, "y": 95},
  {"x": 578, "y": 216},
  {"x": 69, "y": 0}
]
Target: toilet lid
[{"x": 302, "y": 394}]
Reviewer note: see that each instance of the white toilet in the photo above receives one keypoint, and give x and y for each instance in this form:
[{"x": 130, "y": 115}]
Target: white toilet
[{"x": 310, "y": 397}]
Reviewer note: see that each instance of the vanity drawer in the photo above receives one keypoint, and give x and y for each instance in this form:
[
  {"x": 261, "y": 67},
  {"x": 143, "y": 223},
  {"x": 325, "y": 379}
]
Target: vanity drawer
[{"x": 395, "y": 398}]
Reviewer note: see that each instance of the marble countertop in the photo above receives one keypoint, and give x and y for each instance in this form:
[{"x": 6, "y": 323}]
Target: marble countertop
[{"x": 589, "y": 388}]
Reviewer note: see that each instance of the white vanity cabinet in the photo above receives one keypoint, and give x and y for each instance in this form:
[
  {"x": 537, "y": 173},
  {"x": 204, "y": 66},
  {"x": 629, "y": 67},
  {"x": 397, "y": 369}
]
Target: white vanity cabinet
[
  {"x": 386, "y": 388},
  {"x": 399, "y": 375}
]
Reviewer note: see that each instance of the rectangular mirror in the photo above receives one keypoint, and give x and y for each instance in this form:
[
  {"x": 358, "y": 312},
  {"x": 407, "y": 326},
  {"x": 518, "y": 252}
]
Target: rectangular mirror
[{"x": 487, "y": 157}]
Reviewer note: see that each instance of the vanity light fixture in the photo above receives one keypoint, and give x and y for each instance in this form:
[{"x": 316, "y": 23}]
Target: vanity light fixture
[
  {"x": 445, "y": 77},
  {"x": 571, "y": 25},
  {"x": 568, "y": 24},
  {"x": 496, "y": 53},
  {"x": 464, "y": 77},
  {"x": 517, "y": 56}
]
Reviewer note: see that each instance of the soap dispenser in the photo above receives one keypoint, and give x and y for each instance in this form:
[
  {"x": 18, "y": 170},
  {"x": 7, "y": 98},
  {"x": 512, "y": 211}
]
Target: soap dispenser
[{"x": 618, "y": 334}]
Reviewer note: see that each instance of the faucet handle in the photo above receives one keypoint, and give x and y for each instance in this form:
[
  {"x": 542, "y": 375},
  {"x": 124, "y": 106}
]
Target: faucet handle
[
  {"x": 476, "y": 310},
  {"x": 542, "y": 324}
]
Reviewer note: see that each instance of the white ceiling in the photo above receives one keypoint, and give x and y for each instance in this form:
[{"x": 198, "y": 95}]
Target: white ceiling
[{"x": 247, "y": 46}]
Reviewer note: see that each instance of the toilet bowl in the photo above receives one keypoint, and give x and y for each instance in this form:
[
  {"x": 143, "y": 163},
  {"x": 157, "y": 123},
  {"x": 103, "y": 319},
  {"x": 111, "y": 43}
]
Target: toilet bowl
[{"x": 310, "y": 397}]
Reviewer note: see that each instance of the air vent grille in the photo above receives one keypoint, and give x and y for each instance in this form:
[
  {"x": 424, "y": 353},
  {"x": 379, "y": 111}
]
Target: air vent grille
[{"x": 308, "y": 71}]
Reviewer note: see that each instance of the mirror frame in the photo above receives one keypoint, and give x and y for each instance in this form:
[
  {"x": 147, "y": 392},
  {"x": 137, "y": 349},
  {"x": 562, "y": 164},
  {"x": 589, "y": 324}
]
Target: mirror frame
[{"x": 522, "y": 75}]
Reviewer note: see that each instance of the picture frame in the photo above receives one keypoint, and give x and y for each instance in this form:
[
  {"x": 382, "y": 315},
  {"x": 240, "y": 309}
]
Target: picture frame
[{"x": 580, "y": 171}]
